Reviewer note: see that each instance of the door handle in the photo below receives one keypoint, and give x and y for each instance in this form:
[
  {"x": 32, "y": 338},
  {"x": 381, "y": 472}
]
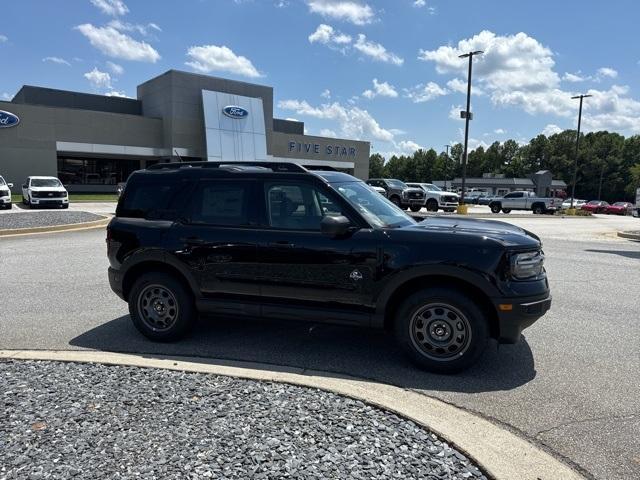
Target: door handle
[
  {"x": 281, "y": 244},
  {"x": 193, "y": 241}
]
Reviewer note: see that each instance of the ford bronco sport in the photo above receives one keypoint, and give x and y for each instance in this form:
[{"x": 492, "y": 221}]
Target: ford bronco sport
[{"x": 274, "y": 240}]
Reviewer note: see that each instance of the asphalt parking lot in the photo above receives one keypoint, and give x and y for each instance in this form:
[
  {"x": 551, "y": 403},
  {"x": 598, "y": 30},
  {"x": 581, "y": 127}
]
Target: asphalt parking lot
[{"x": 571, "y": 384}]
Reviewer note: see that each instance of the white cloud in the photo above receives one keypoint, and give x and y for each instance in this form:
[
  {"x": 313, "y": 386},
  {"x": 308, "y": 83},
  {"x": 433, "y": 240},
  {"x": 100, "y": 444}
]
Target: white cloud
[
  {"x": 111, "y": 7},
  {"x": 326, "y": 93},
  {"x": 58, "y": 60},
  {"x": 518, "y": 71},
  {"x": 326, "y": 132},
  {"x": 116, "y": 93},
  {"x": 607, "y": 72},
  {"x": 213, "y": 58},
  {"x": 454, "y": 112},
  {"x": 6, "y": 96},
  {"x": 115, "y": 44},
  {"x": 419, "y": 3},
  {"x": 376, "y": 51},
  {"x": 551, "y": 129},
  {"x": 380, "y": 89},
  {"x": 115, "y": 68},
  {"x": 460, "y": 86},
  {"x": 98, "y": 79},
  {"x": 574, "y": 77},
  {"x": 350, "y": 11},
  {"x": 3, "y": 38},
  {"x": 145, "y": 30},
  {"x": 425, "y": 92},
  {"x": 354, "y": 122},
  {"x": 326, "y": 35},
  {"x": 499, "y": 131}
]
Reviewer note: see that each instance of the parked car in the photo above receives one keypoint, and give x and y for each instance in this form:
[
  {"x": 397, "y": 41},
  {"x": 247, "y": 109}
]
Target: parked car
[
  {"x": 595, "y": 206},
  {"x": 577, "y": 203},
  {"x": 619, "y": 208},
  {"x": 524, "y": 201},
  {"x": 44, "y": 191},
  {"x": 253, "y": 241},
  {"x": 400, "y": 193},
  {"x": 5, "y": 194},
  {"x": 380, "y": 190},
  {"x": 436, "y": 198},
  {"x": 473, "y": 197},
  {"x": 487, "y": 199}
]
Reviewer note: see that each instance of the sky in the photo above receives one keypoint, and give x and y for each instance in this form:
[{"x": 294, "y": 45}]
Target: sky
[{"x": 383, "y": 71}]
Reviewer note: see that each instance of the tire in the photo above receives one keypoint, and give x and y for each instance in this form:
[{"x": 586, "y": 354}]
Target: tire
[
  {"x": 178, "y": 309},
  {"x": 415, "y": 208},
  {"x": 538, "y": 209},
  {"x": 31, "y": 205},
  {"x": 65, "y": 206},
  {"x": 432, "y": 205},
  {"x": 450, "y": 312},
  {"x": 495, "y": 207},
  {"x": 506, "y": 210},
  {"x": 24, "y": 200},
  {"x": 395, "y": 200}
]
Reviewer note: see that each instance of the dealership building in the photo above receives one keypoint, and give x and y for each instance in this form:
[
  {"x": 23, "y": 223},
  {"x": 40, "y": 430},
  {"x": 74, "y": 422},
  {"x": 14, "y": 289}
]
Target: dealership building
[{"x": 92, "y": 142}]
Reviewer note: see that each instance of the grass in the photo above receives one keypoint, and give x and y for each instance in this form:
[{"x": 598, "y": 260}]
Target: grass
[{"x": 80, "y": 197}]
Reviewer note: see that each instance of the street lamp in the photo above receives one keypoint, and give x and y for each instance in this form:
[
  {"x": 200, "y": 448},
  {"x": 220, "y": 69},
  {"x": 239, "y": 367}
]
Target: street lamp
[
  {"x": 575, "y": 160},
  {"x": 467, "y": 116},
  {"x": 446, "y": 165}
]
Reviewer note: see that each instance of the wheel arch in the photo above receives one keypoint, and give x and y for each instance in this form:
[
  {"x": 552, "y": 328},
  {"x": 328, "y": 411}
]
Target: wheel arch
[
  {"x": 402, "y": 291},
  {"x": 146, "y": 266}
]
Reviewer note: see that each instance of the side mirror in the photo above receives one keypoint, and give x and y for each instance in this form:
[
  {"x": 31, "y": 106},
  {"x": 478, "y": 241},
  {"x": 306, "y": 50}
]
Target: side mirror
[
  {"x": 335, "y": 226},
  {"x": 24, "y": 185},
  {"x": 10, "y": 185}
]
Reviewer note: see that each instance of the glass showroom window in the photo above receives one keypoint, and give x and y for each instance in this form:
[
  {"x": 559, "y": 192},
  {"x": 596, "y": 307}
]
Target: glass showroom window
[{"x": 95, "y": 171}]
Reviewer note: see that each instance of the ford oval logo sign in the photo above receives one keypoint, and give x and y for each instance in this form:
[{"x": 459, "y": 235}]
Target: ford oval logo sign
[
  {"x": 235, "y": 112},
  {"x": 8, "y": 119}
]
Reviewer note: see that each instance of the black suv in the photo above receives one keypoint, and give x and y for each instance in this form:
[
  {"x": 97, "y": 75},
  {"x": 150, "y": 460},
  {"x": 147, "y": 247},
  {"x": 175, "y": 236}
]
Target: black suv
[
  {"x": 400, "y": 193},
  {"x": 275, "y": 240}
]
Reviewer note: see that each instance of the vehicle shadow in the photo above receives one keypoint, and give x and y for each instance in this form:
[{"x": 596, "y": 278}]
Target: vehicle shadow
[
  {"x": 336, "y": 350},
  {"x": 622, "y": 253}
]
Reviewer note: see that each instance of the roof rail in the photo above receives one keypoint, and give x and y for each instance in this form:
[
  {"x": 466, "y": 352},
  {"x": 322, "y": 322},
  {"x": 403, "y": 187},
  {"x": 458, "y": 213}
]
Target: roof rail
[{"x": 274, "y": 166}]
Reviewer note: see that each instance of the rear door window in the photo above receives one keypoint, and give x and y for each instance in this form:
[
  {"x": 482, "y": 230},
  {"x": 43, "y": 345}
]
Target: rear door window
[{"x": 222, "y": 203}]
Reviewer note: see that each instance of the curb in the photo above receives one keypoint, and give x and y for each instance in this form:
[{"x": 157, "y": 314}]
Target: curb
[
  {"x": 630, "y": 235},
  {"x": 12, "y": 232},
  {"x": 497, "y": 451}
]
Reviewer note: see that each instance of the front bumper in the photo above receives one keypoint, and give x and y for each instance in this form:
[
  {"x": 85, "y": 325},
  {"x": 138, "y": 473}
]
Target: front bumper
[
  {"x": 49, "y": 201},
  {"x": 5, "y": 200},
  {"x": 448, "y": 205},
  {"x": 524, "y": 312}
]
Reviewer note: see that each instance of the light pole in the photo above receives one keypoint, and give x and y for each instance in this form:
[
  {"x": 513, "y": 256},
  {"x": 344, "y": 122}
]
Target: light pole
[
  {"x": 575, "y": 161},
  {"x": 467, "y": 116},
  {"x": 446, "y": 166}
]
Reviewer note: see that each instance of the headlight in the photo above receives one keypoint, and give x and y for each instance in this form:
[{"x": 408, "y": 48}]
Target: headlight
[
  {"x": 527, "y": 265},
  {"x": 405, "y": 193}
]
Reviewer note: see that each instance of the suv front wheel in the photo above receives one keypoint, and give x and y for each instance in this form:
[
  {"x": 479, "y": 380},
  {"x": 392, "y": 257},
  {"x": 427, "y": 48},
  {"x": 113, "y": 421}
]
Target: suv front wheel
[
  {"x": 442, "y": 330},
  {"x": 161, "y": 307}
]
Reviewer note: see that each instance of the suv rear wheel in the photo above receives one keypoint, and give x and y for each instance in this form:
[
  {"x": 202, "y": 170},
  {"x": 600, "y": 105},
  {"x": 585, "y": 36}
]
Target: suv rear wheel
[
  {"x": 495, "y": 207},
  {"x": 442, "y": 330},
  {"x": 395, "y": 200},
  {"x": 432, "y": 205},
  {"x": 160, "y": 307},
  {"x": 416, "y": 208}
]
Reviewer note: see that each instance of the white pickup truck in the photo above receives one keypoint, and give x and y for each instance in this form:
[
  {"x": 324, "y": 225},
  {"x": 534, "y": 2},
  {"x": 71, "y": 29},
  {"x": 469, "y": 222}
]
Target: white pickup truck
[{"x": 525, "y": 201}]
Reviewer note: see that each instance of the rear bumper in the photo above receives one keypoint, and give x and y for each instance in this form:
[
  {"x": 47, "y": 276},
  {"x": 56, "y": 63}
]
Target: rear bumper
[
  {"x": 524, "y": 312},
  {"x": 115, "y": 281}
]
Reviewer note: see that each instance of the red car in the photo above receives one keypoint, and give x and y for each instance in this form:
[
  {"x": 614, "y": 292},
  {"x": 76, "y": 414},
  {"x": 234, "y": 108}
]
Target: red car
[
  {"x": 595, "y": 206},
  {"x": 619, "y": 208}
]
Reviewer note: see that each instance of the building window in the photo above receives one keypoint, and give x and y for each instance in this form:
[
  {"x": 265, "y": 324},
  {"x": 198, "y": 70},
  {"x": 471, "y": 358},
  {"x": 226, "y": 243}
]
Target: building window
[{"x": 95, "y": 171}]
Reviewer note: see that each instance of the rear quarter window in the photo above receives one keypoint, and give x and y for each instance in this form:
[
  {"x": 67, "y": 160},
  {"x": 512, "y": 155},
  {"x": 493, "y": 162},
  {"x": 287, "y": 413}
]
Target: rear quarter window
[{"x": 152, "y": 199}]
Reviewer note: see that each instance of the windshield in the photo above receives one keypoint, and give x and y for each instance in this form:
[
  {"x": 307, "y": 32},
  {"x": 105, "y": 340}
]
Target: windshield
[
  {"x": 620, "y": 204},
  {"x": 432, "y": 187},
  {"x": 396, "y": 184},
  {"x": 2, "y": 182},
  {"x": 379, "y": 211},
  {"x": 45, "y": 182}
]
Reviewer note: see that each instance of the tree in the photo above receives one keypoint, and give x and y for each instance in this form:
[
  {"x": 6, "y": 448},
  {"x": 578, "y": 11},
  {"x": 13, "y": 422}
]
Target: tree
[{"x": 376, "y": 166}]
